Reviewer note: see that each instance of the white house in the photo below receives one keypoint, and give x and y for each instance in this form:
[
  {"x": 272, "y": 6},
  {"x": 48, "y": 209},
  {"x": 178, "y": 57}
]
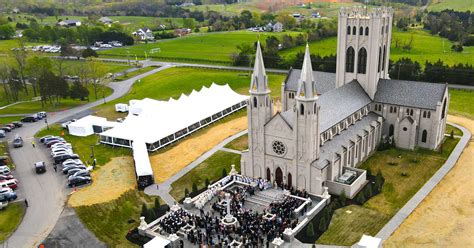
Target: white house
[
  {"x": 144, "y": 34},
  {"x": 106, "y": 21},
  {"x": 69, "y": 23}
]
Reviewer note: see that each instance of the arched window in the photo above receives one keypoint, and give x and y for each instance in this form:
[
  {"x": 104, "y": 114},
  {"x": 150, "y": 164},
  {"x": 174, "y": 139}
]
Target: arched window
[
  {"x": 254, "y": 102},
  {"x": 380, "y": 58},
  {"x": 391, "y": 130},
  {"x": 315, "y": 108},
  {"x": 382, "y": 30},
  {"x": 429, "y": 114},
  {"x": 301, "y": 109},
  {"x": 367, "y": 31},
  {"x": 266, "y": 101},
  {"x": 391, "y": 109},
  {"x": 362, "y": 61},
  {"x": 424, "y": 114},
  {"x": 361, "y": 31},
  {"x": 386, "y": 29},
  {"x": 408, "y": 111},
  {"x": 424, "y": 136},
  {"x": 394, "y": 109},
  {"x": 443, "y": 113},
  {"x": 348, "y": 30},
  {"x": 269, "y": 177},
  {"x": 380, "y": 107},
  {"x": 354, "y": 30},
  {"x": 384, "y": 56},
  {"x": 411, "y": 112},
  {"x": 350, "y": 56}
]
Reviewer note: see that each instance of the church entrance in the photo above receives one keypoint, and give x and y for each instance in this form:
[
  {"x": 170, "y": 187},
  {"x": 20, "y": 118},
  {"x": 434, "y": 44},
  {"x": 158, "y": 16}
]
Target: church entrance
[
  {"x": 279, "y": 177},
  {"x": 289, "y": 183},
  {"x": 269, "y": 177}
]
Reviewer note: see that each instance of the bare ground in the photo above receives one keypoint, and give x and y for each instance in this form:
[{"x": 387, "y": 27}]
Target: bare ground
[
  {"x": 109, "y": 182},
  {"x": 170, "y": 162},
  {"x": 445, "y": 217}
]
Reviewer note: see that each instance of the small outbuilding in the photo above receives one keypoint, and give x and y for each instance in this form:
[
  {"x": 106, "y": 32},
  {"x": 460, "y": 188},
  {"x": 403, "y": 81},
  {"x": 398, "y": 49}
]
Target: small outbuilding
[{"x": 90, "y": 125}]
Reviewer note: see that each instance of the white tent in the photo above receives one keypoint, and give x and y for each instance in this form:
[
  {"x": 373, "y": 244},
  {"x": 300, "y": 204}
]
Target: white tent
[
  {"x": 157, "y": 242},
  {"x": 142, "y": 164},
  {"x": 85, "y": 126},
  {"x": 367, "y": 241},
  {"x": 159, "y": 123}
]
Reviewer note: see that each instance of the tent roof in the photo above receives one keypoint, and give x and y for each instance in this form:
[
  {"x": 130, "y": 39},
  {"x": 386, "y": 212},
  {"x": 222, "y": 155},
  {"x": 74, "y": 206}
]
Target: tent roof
[
  {"x": 158, "y": 119},
  {"x": 142, "y": 161},
  {"x": 91, "y": 120},
  {"x": 157, "y": 242}
]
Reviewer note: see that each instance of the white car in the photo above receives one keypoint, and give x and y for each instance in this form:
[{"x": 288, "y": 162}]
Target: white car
[
  {"x": 61, "y": 149},
  {"x": 69, "y": 162},
  {"x": 60, "y": 153},
  {"x": 4, "y": 170},
  {"x": 61, "y": 145}
]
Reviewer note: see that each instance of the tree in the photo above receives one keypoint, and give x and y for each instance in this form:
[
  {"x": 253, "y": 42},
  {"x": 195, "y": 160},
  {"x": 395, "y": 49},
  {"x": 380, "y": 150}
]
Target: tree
[
  {"x": 5, "y": 70},
  {"x": 6, "y": 32},
  {"x": 310, "y": 230},
  {"x": 288, "y": 22},
  {"x": 379, "y": 180},
  {"x": 368, "y": 191},
  {"x": 15, "y": 84},
  {"x": 186, "y": 192},
  {"x": 194, "y": 187},
  {"x": 35, "y": 68},
  {"x": 88, "y": 52},
  {"x": 207, "y": 182},
  {"x": 78, "y": 91},
  {"x": 224, "y": 172},
  {"x": 322, "y": 224},
  {"x": 97, "y": 70},
  {"x": 360, "y": 198},
  {"x": 157, "y": 207},
  {"x": 342, "y": 199},
  {"x": 20, "y": 55},
  {"x": 144, "y": 210}
]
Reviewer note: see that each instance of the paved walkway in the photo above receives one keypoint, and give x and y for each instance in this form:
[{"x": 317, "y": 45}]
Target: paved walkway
[
  {"x": 164, "y": 188},
  {"x": 231, "y": 150},
  {"x": 406, "y": 210}
]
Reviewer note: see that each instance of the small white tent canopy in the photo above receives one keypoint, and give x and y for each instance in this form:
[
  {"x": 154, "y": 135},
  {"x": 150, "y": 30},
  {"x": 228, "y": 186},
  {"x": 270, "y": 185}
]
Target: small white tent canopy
[
  {"x": 157, "y": 242},
  {"x": 159, "y": 123},
  {"x": 89, "y": 125},
  {"x": 368, "y": 242}
]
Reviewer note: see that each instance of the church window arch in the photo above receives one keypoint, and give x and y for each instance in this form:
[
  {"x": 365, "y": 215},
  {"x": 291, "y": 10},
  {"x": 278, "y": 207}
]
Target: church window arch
[
  {"x": 267, "y": 102},
  {"x": 350, "y": 57},
  {"x": 380, "y": 107},
  {"x": 362, "y": 61},
  {"x": 380, "y": 58},
  {"x": 386, "y": 29},
  {"x": 424, "y": 114},
  {"x": 424, "y": 136},
  {"x": 354, "y": 30},
  {"x": 301, "y": 109},
  {"x": 382, "y": 30},
  {"x": 391, "y": 130},
  {"x": 429, "y": 114},
  {"x": 366, "y": 31},
  {"x": 384, "y": 56},
  {"x": 348, "y": 30},
  {"x": 411, "y": 112},
  {"x": 254, "y": 102},
  {"x": 361, "y": 31},
  {"x": 391, "y": 109},
  {"x": 315, "y": 108},
  {"x": 408, "y": 111},
  {"x": 394, "y": 109},
  {"x": 443, "y": 113}
]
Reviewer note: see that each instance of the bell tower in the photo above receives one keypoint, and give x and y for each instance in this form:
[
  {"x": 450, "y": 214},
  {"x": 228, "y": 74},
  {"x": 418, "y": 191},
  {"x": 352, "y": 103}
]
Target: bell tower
[
  {"x": 259, "y": 112},
  {"x": 363, "y": 46}
]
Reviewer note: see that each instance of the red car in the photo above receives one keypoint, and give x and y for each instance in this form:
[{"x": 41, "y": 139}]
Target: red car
[
  {"x": 12, "y": 184},
  {"x": 6, "y": 177}
]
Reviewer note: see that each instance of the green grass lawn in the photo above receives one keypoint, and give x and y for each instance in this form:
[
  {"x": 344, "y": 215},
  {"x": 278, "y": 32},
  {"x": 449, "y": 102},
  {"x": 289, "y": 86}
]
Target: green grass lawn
[
  {"x": 461, "y": 103},
  {"x": 418, "y": 165},
  {"x": 111, "y": 221},
  {"x": 82, "y": 145},
  {"x": 425, "y": 47},
  {"x": 174, "y": 81},
  {"x": 226, "y": 9},
  {"x": 4, "y": 152},
  {"x": 10, "y": 218},
  {"x": 202, "y": 47},
  {"x": 239, "y": 144},
  {"x": 135, "y": 73},
  {"x": 455, "y": 130},
  {"x": 459, "y": 5},
  {"x": 6, "y": 120},
  {"x": 211, "y": 169}
]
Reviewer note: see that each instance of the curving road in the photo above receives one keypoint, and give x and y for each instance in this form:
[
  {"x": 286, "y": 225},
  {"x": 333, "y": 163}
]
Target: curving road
[{"x": 47, "y": 193}]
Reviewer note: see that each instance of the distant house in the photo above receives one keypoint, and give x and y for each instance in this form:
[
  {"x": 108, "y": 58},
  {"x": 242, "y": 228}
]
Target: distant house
[
  {"x": 69, "y": 23},
  {"x": 144, "y": 34},
  {"x": 316, "y": 15},
  {"x": 105, "y": 20},
  {"x": 183, "y": 5},
  {"x": 182, "y": 31},
  {"x": 274, "y": 27}
]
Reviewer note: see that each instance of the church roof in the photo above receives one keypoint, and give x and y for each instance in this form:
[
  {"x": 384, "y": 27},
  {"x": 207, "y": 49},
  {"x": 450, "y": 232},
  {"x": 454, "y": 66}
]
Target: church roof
[
  {"x": 288, "y": 116},
  {"x": 410, "y": 93},
  {"x": 325, "y": 81},
  {"x": 339, "y": 103}
]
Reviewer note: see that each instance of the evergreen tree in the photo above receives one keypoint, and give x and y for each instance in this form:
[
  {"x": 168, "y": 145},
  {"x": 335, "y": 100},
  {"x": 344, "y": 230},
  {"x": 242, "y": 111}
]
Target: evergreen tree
[
  {"x": 322, "y": 224},
  {"x": 144, "y": 210},
  {"x": 342, "y": 199},
  {"x": 360, "y": 198},
  {"x": 186, "y": 192},
  {"x": 207, "y": 182},
  {"x": 194, "y": 187},
  {"x": 224, "y": 172},
  {"x": 157, "y": 206},
  {"x": 310, "y": 230}
]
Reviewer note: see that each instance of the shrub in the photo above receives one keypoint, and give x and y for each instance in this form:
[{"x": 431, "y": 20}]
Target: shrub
[
  {"x": 144, "y": 210},
  {"x": 224, "y": 172},
  {"x": 310, "y": 230},
  {"x": 186, "y": 192},
  {"x": 322, "y": 224},
  {"x": 207, "y": 182},
  {"x": 342, "y": 199},
  {"x": 194, "y": 187},
  {"x": 360, "y": 198},
  {"x": 88, "y": 52},
  {"x": 451, "y": 135},
  {"x": 368, "y": 191},
  {"x": 157, "y": 206}
]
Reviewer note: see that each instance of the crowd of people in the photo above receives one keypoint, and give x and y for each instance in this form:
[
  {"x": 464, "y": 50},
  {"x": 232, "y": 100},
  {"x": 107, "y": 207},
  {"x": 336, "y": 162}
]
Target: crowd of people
[{"x": 253, "y": 229}]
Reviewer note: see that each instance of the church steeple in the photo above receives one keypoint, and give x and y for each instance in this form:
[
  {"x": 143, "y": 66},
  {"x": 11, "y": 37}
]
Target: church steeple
[
  {"x": 259, "y": 82},
  {"x": 306, "y": 84}
]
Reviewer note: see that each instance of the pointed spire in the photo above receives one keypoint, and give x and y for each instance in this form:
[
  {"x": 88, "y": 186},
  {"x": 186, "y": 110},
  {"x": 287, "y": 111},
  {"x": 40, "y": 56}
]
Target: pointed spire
[
  {"x": 259, "y": 76},
  {"x": 306, "y": 84}
]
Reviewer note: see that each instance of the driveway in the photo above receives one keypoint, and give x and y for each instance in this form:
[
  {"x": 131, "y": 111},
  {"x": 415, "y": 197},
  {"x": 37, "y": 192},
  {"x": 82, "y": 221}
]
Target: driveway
[{"x": 47, "y": 193}]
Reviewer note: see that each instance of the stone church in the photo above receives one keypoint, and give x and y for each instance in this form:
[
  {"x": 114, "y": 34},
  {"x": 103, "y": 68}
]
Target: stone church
[{"x": 331, "y": 122}]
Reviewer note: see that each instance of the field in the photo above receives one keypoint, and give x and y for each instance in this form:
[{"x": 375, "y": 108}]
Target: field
[
  {"x": 461, "y": 103},
  {"x": 405, "y": 172},
  {"x": 425, "y": 47},
  {"x": 211, "y": 169},
  {"x": 10, "y": 218},
  {"x": 134, "y": 73},
  {"x": 226, "y": 9},
  {"x": 459, "y": 5},
  {"x": 174, "y": 81},
  {"x": 205, "y": 47},
  {"x": 239, "y": 144},
  {"x": 111, "y": 221}
]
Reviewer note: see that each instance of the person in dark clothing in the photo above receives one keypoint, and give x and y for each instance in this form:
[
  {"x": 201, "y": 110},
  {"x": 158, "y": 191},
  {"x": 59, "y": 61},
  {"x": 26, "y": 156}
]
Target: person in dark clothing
[{"x": 26, "y": 203}]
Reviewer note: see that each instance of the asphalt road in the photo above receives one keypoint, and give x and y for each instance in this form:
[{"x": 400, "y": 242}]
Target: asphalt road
[{"x": 47, "y": 193}]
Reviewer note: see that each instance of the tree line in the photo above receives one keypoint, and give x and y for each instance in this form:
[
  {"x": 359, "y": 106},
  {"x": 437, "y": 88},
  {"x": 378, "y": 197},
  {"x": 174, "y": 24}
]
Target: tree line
[{"x": 454, "y": 25}]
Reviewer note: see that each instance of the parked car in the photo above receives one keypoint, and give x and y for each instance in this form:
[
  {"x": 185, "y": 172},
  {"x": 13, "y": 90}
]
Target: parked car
[
  {"x": 52, "y": 142},
  {"x": 2, "y": 134},
  {"x": 17, "y": 124},
  {"x": 40, "y": 167},
  {"x": 42, "y": 139},
  {"x": 11, "y": 125},
  {"x": 6, "y": 129},
  {"x": 18, "y": 142},
  {"x": 12, "y": 184},
  {"x": 75, "y": 181},
  {"x": 42, "y": 114},
  {"x": 3, "y": 202},
  {"x": 61, "y": 145},
  {"x": 52, "y": 138},
  {"x": 71, "y": 167},
  {"x": 69, "y": 162},
  {"x": 62, "y": 158},
  {"x": 29, "y": 119},
  {"x": 78, "y": 172},
  {"x": 9, "y": 194},
  {"x": 6, "y": 177},
  {"x": 58, "y": 149},
  {"x": 4, "y": 170}
]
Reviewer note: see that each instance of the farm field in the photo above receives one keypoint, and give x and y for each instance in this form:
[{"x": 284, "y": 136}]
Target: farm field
[
  {"x": 405, "y": 172},
  {"x": 226, "y": 9},
  {"x": 461, "y": 103},
  {"x": 459, "y": 5},
  {"x": 174, "y": 81},
  {"x": 200, "y": 47},
  {"x": 425, "y": 47}
]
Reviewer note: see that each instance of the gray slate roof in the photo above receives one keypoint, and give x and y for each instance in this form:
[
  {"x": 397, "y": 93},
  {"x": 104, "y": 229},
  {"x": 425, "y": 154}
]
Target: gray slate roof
[
  {"x": 409, "y": 93},
  {"x": 340, "y": 103},
  {"x": 288, "y": 116},
  {"x": 325, "y": 81}
]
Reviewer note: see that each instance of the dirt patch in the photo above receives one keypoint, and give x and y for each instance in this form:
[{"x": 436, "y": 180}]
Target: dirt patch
[
  {"x": 168, "y": 163},
  {"x": 109, "y": 182},
  {"x": 445, "y": 217}
]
